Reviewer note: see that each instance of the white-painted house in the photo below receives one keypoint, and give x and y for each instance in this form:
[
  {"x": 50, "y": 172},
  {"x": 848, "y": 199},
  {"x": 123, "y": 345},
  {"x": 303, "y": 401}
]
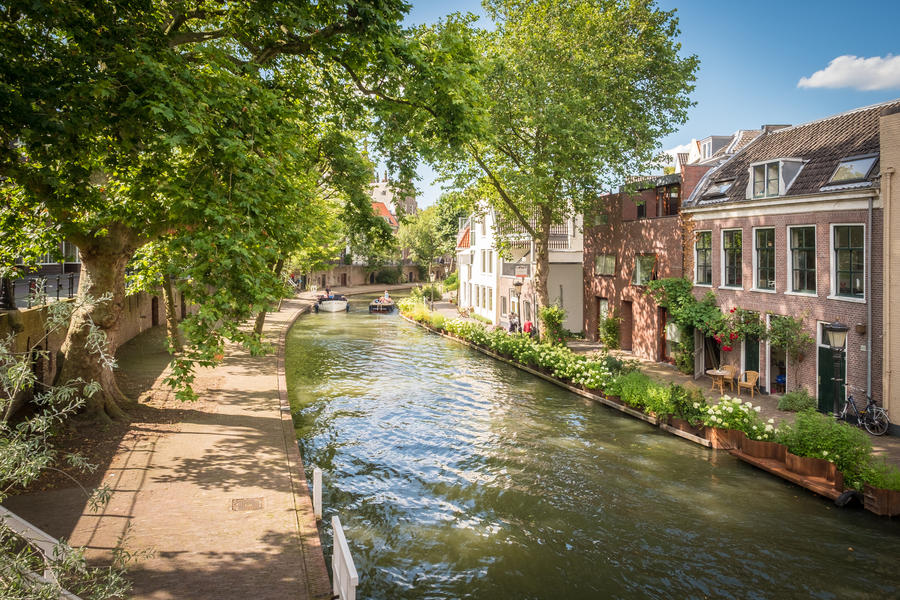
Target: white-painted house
[{"x": 486, "y": 279}]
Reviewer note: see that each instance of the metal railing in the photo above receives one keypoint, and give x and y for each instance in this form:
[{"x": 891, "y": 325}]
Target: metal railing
[
  {"x": 45, "y": 544},
  {"x": 20, "y": 293}
]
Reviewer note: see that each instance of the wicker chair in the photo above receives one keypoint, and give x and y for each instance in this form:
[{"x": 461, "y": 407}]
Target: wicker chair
[
  {"x": 749, "y": 381},
  {"x": 730, "y": 376}
]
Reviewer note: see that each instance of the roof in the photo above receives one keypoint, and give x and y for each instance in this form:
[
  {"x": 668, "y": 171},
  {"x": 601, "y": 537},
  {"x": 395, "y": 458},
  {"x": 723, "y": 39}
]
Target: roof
[
  {"x": 464, "y": 240},
  {"x": 381, "y": 210},
  {"x": 820, "y": 145}
]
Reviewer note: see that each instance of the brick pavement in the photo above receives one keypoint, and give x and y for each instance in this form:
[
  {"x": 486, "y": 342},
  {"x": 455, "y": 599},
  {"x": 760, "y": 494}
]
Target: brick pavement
[{"x": 214, "y": 489}]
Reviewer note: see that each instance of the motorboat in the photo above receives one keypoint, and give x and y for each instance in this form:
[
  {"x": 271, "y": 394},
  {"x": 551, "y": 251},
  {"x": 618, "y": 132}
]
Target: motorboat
[
  {"x": 333, "y": 304},
  {"x": 384, "y": 304}
]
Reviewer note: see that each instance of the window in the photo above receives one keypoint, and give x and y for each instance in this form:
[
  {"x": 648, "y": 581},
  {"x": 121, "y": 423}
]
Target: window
[
  {"x": 719, "y": 188},
  {"x": 490, "y": 298},
  {"x": 605, "y": 264},
  {"x": 503, "y": 310},
  {"x": 668, "y": 200},
  {"x": 853, "y": 169},
  {"x": 703, "y": 258},
  {"x": 603, "y": 308},
  {"x": 732, "y": 255},
  {"x": 706, "y": 149},
  {"x": 765, "y": 180},
  {"x": 641, "y": 209},
  {"x": 765, "y": 259},
  {"x": 643, "y": 269},
  {"x": 803, "y": 259},
  {"x": 849, "y": 261},
  {"x": 70, "y": 252}
]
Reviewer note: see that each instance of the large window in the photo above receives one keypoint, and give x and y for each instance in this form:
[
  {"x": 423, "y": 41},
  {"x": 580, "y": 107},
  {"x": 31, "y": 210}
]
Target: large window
[
  {"x": 643, "y": 268},
  {"x": 703, "y": 258},
  {"x": 732, "y": 255},
  {"x": 803, "y": 259},
  {"x": 605, "y": 264},
  {"x": 641, "y": 209},
  {"x": 765, "y": 180},
  {"x": 849, "y": 261},
  {"x": 668, "y": 200},
  {"x": 765, "y": 259}
]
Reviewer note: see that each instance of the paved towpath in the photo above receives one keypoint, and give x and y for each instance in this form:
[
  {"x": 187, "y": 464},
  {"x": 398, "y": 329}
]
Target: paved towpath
[{"x": 214, "y": 489}]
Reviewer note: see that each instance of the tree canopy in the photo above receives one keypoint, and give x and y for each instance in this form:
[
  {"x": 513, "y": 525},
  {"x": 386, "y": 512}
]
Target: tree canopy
[{"x": 216, "y": 129}]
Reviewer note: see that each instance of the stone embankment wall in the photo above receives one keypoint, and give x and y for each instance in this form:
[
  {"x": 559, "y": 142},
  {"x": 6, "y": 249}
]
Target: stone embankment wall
[{"x": 140, "y": 312}]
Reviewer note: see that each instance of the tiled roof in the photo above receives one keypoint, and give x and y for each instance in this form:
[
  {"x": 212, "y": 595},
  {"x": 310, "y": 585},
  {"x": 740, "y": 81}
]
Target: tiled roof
[
  {"x": 381, "y": 210},
  {"x": 464, "y": 240},
  {"x": 820, "y": 144}
]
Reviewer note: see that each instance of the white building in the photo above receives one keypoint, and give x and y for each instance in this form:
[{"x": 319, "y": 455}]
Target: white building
[
  {"x": 486, "y": 279},
  {"x": 384, "y": 191}
]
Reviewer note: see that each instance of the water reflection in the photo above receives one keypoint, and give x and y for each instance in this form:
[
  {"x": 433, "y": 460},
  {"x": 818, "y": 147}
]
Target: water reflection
[{"x": 457, "y": 476}]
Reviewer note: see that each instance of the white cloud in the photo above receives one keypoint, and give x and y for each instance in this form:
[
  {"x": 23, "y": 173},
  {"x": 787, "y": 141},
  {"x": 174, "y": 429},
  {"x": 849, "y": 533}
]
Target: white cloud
[
  {"x": 875, "y": 73},
  {"x": 671, "y": 155}
]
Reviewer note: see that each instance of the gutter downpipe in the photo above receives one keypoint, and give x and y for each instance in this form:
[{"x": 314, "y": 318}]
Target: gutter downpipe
[
  {"x": 886, "y": 323},
  {"x": 869, "y": 303}
]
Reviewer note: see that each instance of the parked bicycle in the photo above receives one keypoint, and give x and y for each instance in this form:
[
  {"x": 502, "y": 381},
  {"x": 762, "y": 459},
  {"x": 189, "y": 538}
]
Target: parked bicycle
[{"x": 872, "y": 417}]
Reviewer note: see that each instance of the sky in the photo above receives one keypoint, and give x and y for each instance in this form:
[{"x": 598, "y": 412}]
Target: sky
[{"x": 762, "y": 62}]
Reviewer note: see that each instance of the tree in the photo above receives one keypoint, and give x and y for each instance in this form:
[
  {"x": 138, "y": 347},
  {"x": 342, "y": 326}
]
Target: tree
[
  {"x": 451, "y": 207},
  {"x": 421, "y": 235},
  {"x": 124, "y": 123},
  {"x": 571, "y": 97}
]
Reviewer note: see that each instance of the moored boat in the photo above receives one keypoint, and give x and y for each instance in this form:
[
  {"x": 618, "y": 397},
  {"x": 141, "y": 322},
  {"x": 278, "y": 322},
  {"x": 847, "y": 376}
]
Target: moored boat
[{"x": 332, "y": 304}]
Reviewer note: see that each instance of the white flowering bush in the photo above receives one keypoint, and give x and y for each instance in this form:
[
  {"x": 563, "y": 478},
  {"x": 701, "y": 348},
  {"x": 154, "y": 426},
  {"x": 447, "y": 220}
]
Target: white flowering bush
[{"x": 731, "y": 413}]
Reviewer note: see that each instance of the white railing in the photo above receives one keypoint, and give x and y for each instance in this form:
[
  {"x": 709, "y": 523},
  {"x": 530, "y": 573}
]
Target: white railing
[
  {"x": 343, "y": 573},
  {"x": 317, "y": 493},
  {"x": 43, "y": 542}
]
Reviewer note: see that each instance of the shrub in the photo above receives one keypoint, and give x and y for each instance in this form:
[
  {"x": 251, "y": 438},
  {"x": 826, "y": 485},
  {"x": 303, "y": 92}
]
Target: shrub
[
  {"x": 797, "y": 400},
  {"x": 730, "y": 413},
  {"x": 882, "y": 475},
  {"x": 478, "y": 317},
  {"x": 389, "y": 275},
  {"x": 552, "y": 318},
  {"x": 658, "y": 400},
  {"x": 689, "y": 405},
  {"x": 608, "y": 331},
  {"x": 634, "y": 388},
  {"x": 452, "y": 282},
  {"x": 820, "y": 436},
  {"x": 437, "y": 320},
  {"x": 684, "y": 351}
]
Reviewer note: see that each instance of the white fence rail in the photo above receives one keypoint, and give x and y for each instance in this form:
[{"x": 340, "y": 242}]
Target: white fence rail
[
  {"x": 317, "y": 493},
  {"x": 343, "y": 573},
  {"x": 39, "y": 540}
]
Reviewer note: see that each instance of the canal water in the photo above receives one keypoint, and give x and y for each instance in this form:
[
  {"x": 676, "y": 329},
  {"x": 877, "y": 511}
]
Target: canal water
[{"x": 457, "y": 476}]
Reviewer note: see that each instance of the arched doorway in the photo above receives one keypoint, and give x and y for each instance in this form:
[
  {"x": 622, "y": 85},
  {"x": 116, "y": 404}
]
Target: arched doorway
[
  {"x": 372, "y": 277},
  {"x": 154, "y": 311}
]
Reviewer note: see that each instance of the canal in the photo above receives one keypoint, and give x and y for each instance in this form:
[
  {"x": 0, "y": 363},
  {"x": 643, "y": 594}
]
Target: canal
[{"x": 457, "y": 476}]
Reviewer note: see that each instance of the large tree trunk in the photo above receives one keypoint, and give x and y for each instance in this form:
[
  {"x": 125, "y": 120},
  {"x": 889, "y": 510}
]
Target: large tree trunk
[
  {"x": 103, "y": 261},
  {"x": 171, "y": 315},
  {"x": 542, "y": 263},
  {"x": 261, "y": 316}
]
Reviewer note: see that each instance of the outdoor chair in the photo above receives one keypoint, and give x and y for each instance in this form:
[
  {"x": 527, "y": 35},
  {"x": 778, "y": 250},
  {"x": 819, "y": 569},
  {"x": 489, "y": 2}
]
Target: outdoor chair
[
  {"x": 730, "y": 376},
  {"x": 749, "y": 381}
]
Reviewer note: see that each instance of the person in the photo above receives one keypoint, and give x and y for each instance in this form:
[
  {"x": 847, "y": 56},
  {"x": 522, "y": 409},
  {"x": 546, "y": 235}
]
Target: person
[
  {"x": 528, "y": 328},
  {"x": 327, "y": 292},
  {"x": 513, "y": 322},
  {"x": 386, "y": 295}
]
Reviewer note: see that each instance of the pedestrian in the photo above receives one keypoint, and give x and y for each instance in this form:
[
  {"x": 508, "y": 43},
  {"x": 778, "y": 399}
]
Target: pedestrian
[
  {"x": 528, "y": 328},
  {"x": 513, "y": 323}
]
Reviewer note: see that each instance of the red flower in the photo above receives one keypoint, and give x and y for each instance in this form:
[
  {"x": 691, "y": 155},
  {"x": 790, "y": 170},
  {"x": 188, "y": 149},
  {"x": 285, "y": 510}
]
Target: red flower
[
  {"x": 733, "y": 309},
  {"x": 733, "y": 336},
  {"x": 727, "y": 348}
]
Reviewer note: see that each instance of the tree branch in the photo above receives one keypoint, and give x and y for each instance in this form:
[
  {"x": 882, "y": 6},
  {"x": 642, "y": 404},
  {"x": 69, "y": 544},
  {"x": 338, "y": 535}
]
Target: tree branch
[
  {"x": 503, "y": 195},
  {"x": 379, "y": 94}
]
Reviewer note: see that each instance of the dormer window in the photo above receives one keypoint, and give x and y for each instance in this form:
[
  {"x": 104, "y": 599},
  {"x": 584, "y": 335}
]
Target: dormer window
[
  {"x": 719, "y": 188},
  {"x": 854, "y": 169},
  {"x": 706, "y": 149},
  {"x": 765, "y": 180}
]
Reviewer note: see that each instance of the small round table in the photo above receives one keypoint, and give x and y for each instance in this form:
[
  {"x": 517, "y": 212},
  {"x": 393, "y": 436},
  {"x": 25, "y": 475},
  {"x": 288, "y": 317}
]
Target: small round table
[{"x": 718, "y": 379}]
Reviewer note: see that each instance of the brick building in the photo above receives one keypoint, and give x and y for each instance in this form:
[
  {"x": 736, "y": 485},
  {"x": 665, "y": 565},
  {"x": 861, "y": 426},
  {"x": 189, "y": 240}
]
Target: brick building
[{"x": 792, "y": 226}]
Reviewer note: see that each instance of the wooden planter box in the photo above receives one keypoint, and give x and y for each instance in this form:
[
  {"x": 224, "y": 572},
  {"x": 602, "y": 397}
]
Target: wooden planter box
[
  {"x": 881, "y": 502},
  {"x": 616, "y": 399},
  {"x": 763, "y": 449},
  {"x": 815, "y": 467},
  {"x": 725, "y": 439},
  {"x": 682, "y": 425}
]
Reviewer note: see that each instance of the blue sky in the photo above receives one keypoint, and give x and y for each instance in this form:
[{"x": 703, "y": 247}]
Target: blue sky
[{"x": 754, "y": 54}]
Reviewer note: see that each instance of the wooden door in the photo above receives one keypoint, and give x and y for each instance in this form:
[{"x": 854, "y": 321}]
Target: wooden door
[
  {"x": 626, "y": 338},
  {"x": 826, "y": 380}
]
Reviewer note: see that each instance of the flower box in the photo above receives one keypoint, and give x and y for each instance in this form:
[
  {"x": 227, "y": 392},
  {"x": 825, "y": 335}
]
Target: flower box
[
  {"x": 764, "y": 449},
  {"x": 682, "y": 425},
  {"x": 880, "y": 501},
  {"x": 814, "y": 467},
  {"x": 725, "y": 439}
]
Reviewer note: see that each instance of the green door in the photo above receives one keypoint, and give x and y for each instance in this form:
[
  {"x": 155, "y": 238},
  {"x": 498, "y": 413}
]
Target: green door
[
  {"x": 751, "y": 354},
  {"x": 826, "y": 382}
]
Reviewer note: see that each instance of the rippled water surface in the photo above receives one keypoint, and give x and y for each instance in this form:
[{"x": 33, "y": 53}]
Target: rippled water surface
[{"x": 456, "y": 476}]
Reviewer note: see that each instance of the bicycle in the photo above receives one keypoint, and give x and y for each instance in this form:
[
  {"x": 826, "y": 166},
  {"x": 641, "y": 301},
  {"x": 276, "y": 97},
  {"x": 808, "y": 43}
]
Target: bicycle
[{"x": 872, "y": 417}]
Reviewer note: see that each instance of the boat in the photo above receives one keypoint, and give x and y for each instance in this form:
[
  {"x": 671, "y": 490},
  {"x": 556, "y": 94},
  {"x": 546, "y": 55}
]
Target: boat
[
  {"x": 381, "y": 305},
  {"x": 332, "y": 304}
]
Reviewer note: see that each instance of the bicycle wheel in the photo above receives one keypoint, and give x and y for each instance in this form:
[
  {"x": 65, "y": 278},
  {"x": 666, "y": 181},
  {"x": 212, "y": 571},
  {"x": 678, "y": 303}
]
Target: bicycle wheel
[{"x": 876, "y": 421}]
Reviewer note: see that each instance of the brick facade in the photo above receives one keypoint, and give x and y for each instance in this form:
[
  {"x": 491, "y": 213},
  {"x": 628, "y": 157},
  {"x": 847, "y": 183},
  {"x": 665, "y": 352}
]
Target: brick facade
[{"x": 822, "y": 307}]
